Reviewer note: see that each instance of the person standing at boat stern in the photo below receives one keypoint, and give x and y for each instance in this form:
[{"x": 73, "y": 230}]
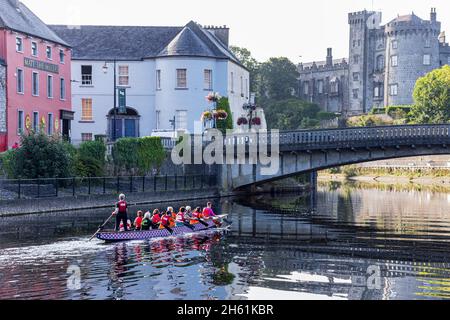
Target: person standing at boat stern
[{"x": 121, "y": 213}]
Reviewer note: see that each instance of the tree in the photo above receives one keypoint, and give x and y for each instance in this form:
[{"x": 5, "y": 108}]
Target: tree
[
  {"x": 432, "y": 98},
  {"x": 292, "y": 114},
  {"x": 91, "y": 159},
  {"x": 245, "y": 56},
  {"x": 40, "y": 156},
  {"x": 278, "y": 79}
]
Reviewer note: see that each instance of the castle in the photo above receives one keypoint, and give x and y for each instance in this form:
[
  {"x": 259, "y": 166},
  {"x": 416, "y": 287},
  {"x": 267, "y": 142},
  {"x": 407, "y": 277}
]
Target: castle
[{"x": 383, "y": 66}]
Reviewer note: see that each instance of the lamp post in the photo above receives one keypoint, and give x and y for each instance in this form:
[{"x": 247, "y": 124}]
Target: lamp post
[
  {"x": 250, "y": 107},
  {"x": 105, "y": 70}
]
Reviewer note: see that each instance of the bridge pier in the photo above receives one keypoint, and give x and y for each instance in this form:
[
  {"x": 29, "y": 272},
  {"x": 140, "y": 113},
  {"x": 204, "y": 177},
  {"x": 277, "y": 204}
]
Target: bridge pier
[{"x": 313, "y": 178}]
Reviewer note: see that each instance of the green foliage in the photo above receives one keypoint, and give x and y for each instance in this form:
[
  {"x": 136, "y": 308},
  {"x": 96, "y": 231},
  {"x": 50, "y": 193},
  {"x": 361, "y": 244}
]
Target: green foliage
[
  {"x": 223, "y": 125},
  {"x": 278, "y": 79},
  {"x": 398, "y": 112},
  {"x": 253, "y": 66},
  {"x": 292, "y": 114},
  {"x": 138, "y": 155},
  {"x": 6, "y": 163},
  {"x": 40, "y": 156},
  {"x": 432, "y": 98},
  {"x": 90, "y": 159},
  {"x": 378, "y": 111},
  {"x": 368, "y": 121}
]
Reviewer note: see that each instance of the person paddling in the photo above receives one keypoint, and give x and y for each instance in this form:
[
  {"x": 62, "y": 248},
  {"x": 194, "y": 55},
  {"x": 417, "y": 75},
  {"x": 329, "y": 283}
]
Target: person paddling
[
  {"x": 196, "y": 215},
  {"x": 156, "y": 219},
  {"x": 208, "y": 212},
  {"x": 146, "y": 222},
  {"x": 121, "y": 213},
  {"x": 138, "y": 220},
  {"x": 181, "y": 219},
  {"x": 167, "y": 221}
]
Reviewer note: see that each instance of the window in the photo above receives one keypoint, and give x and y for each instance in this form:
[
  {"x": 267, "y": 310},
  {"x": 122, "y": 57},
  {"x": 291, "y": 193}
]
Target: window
[
  {"x": 380, "y": 63},
  {"x": 49, "y": 52},
  {"x": 232, "y": 82},
  {"x": 34, "y": 49},
  {"x": 242, "y": 86},
  {"x": 49, "y": 86},
  {"x": 20, "y": 122},
  {"x": 62, "y": 89},
  {"x": 19, "y": 44},
  {"x": 86, "y": 137},
  {"x": 35, "y": 84},
  {"x": 208, "y": 80},
  {"x": 355, "y": 76},
  {"x": 36, "y": 121},
  {"x": 394, "y": 61},
  {"x": 334, "y": 87},
  {"x": 124, "y": 79},
  {"x": 86, "y": 75},
  {"x": 50, "y": 124},
  {"x": 181, "y": 119},
  {"x": 393, "y": 89},
  {"x": 20, "y": 87},
  {"x": 427, "y": 43},
  {"x": 448, "y": 60},
  {"x": 356, "y": 59},
  {"x": 376, "y": 92},
  {"x": 181, "y": 78},
  {"x": 62, "y": 56},
  {"x": 355, "y": 93},
  {"x": 86, "y": 110},
  {"x": 158, "y": 119},
  {"x": 158, "y": 79},
  {"x": 354, "y": 43},
  {"x": 395, "y": 44},
  {"x": 306, "y": 87},
  {"x": 427, "y": 59},
  {"x": 320, "y": 86}
]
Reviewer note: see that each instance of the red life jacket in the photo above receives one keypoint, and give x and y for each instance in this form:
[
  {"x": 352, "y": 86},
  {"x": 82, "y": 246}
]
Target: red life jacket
[
  {"x": 156, "y": 219},
  {"x": 165, "y": 220},
  {"x": 122, "y": 205},
  {"x": 180, "y": 217},
  {"x": 197, "y": 215}
]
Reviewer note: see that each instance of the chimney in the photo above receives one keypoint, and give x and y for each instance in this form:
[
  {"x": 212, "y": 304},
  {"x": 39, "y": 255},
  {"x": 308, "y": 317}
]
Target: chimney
[
  {"x": 329, "y": 57},
  {"x": 222, "y": 33},
  {"x": 433, "y": 15}
]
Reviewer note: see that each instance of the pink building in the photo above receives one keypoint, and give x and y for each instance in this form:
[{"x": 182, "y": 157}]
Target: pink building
[{"x": 38, "y": 75}]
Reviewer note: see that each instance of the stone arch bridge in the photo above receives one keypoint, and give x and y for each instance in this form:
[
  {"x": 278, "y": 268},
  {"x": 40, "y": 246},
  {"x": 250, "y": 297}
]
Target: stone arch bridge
[{"x": 314, "y": 150}]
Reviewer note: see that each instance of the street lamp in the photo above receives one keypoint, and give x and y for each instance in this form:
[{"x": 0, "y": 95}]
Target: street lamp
[
  {"x": 250, "y": 107},
  {"x": 105, "y": 71}
]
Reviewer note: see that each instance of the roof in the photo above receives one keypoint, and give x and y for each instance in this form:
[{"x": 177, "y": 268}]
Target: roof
[
  {"x": 407, "y": 18},
  {"x": 16, "y": 16},
  {"x": 141, "y": 42}
]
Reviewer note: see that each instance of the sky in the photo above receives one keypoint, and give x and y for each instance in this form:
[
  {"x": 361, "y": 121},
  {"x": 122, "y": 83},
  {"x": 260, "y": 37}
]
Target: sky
[{"x": 301, "y": 30}]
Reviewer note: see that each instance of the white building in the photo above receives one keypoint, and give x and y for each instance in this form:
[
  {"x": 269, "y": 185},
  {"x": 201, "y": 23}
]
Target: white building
[{"x": 167, "y": 73}]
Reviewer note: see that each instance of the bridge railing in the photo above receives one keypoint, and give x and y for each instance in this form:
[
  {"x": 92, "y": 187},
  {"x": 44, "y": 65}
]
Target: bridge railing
[{"x": 351, "y": 137}]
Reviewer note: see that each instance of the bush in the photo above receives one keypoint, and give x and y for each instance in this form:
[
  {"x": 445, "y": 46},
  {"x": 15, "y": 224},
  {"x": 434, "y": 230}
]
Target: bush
[
  {"x": 6, "y": 162},
  {"x": 90, "y": 159},
  {"x": 223, "y": 125},
  {"x": 138, "y": 155},
  {"x": 40, "y": 156}
]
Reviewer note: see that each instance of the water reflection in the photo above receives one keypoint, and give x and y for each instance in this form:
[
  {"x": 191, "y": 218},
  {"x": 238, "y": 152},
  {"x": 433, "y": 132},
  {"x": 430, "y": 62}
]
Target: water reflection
[{"x": 350, "y": 243}]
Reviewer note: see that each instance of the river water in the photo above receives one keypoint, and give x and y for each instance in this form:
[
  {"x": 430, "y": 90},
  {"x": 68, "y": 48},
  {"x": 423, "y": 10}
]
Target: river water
[{"x": 346, "y": 243}]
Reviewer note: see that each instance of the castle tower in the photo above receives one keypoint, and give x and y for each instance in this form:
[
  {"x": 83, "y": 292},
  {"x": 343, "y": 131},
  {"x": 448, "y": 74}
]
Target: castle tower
[
  {"x": 360, "y": 57},
  {"x": 412, "y": 50}
]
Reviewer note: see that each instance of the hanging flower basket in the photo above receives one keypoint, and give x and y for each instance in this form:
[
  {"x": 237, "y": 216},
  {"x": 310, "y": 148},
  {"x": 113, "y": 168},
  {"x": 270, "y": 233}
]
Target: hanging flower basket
[
  {"x": 220, "y": 115},
  {"x": 242, "y": 121},
  {"x": 213, "y": 97},
  {"x": 207, "y": 115},
  {"x": 256, "y": 121}
]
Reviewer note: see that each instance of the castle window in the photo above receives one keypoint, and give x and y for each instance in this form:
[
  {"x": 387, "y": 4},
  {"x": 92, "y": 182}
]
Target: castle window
[
  {"x": 427, "y": 59},
  {"x": 380, "y": 63},
  {"x": 427, "y": 43},
  {"x": 356, "y": 59},
  {"x": 320, "y": 86},
  {"x": 355, "y": 93},
  {"x": 394, "y": 61},
  {"x": 355, "y": 76},
  {"x": 395, "y": 44},
  {"x": 393, "y": 89},
  {"x": 334, "y": 86},
  {"x": 306, "y": 87},
  {"x": 376, "y": 92}
]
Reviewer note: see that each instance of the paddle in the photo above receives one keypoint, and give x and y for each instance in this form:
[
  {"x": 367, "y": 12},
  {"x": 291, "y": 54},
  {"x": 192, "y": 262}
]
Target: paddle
[
  {"x": 167, "y": 228},
  {"x": 102, "y": 226},
  {"x": 189, "y": 226}
]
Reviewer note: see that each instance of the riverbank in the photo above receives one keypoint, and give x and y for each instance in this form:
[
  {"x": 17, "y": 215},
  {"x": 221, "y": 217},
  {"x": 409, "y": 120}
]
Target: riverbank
[{"x": 49, "y": 205}]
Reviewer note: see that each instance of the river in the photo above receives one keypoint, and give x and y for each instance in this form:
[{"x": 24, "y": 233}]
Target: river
[{"x": 347, "y": 243}]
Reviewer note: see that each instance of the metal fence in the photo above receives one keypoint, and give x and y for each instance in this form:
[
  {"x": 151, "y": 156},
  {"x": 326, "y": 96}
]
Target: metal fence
[{"x": 78, "y": 186}]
